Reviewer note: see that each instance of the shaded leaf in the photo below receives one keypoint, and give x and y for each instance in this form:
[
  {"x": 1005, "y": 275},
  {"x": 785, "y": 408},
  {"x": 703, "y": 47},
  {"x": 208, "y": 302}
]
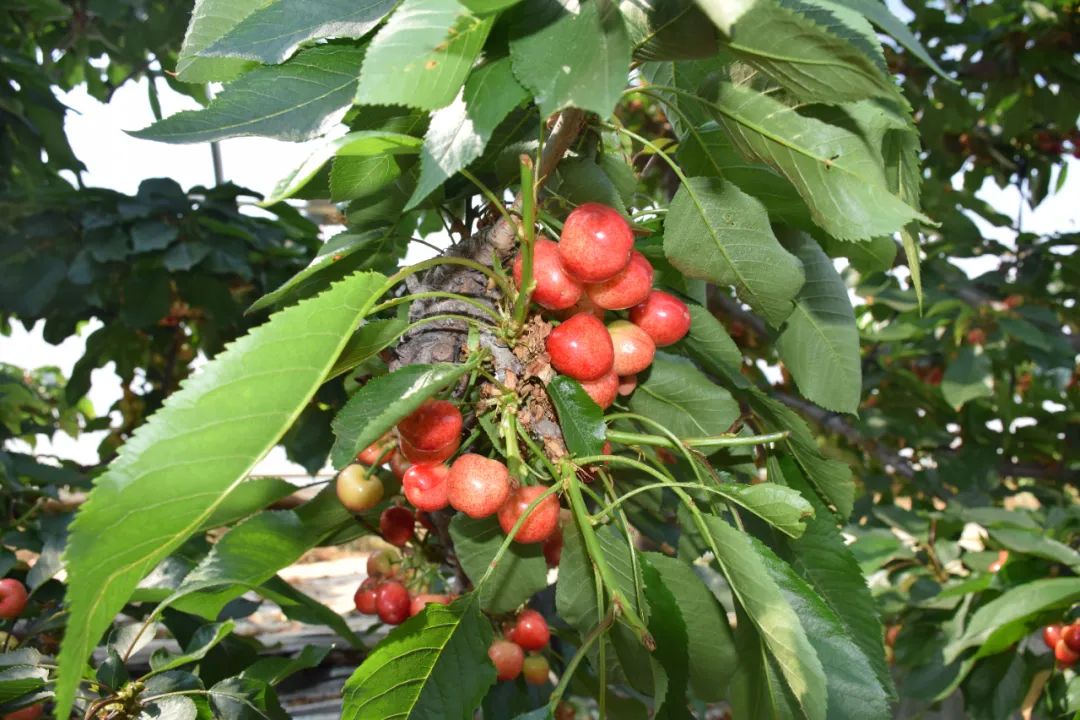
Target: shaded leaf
[
  {"x": 521, "y": 572},
  {"x": 680, "y": 397},
  {"x": 668, "y": 30},
  {"x": 581, "y": 419},
  {"x": 968, "y": 377}
]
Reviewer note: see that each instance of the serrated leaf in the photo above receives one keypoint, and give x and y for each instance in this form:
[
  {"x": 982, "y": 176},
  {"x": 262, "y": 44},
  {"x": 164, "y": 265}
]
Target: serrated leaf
[
  {"x": 357, "y": 177},
  {"x": 668, "y": 30},
  {"x": 571, "y": 53},
  {"x": 298, "y": 100},
  {"x": 709, "y": 343},
  {"x": 581, "y": 419},
  {"x": 422, "y": 55},
  {"x": 179, "y": 467},
  {"x": 716, "y": 232},
  {"x": 368, "y": 341},
  {"x": 679, "y": 396},
  {"x": 783, "y": 508},
  {"x": 273, "y": 32},
  {"x": 385, "y": 400},
  {"x": 521, "y": 572},
  {"x": 459, "y": 132},
  {"x": 877, "y": 13},
  {"x": 819, "y": 343},
  {"x": 210, "y": 20},
  {"x": 968, "y": 377},
  {"x": 446, "y": 673}
]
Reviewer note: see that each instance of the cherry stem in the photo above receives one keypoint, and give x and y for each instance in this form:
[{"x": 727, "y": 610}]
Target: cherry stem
[
  {"x": 571, "y": 666},
  {"x": 527, "y": 231},
  {"x": 712, "y": 441}
]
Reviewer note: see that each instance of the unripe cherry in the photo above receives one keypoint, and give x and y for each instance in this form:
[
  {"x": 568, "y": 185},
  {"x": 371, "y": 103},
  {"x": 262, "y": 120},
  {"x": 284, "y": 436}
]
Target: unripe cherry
[
  {"x": 392, "y": 603},
  {"x": 634, "y": 348},
  {"x": 507, "y": 657},
  {"x": 396, "y": 525},
  {"x": 432, "y": 433},
  {"x": 581, "y": 348},
  {"x": 425, "y": 486},
  {"x": 630, "y": 287},
  {"x": 535, "y": 669},
  {"x": 424, "y": 599},
  {"x": 602, "y": 390},
  {"x": 539, "y": 524},
  {"x": 358, "y": 488},
  {"x": 478, "y": 486},
  {"x": 365, "y": 596},
  {"x": 1051, "y": 634},
  {"x": 595, "y": 243},
  {"x": 531, "y": 631},
  {"x": 663, "y": 316},
  {"x": 555, "y": 289},
  {"x": 382, "y": 563},
  {"x": 627, "y": 384}
]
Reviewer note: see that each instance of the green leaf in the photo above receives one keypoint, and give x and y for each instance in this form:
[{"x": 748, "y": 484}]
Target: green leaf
[
  {"x": 178, "y": 468},
  {"x": 248, "y": 497},
  {"x": 521, "y": 572},
  {"x": 272, "y": 670},
  {"x": 670, "y": 659},
  {"x": 210, "y": 20},
  {"x": 434, "y": 665},
  {"x": 20, "y": 674},
  {"x": 876, "y": 255},
  {"x": 238, "y": 698},
  {"x": 459, "y": 132},
  {"x": 203, "y": 641},
  {"x": 581, "y": 419},
  {"x": 901, "y": 152},
  {"x": 574, "y": 53},
  {"x": 1003, "y": 620},
  {"x": 716, "y": 232},
  {"x": 1037, "y": 544},
  {"x": 149, "y": 235},
  {"x": 680, "y": 397},
  {"x": 369, "y": 341},
  {"x": 811, "y": 51},
  {"x": 839, "y": 177},
  {"x": 783, "y": 508},
  {"x": 274, "y": 32},
  {"x": 383, "y": 401},
  {"x": 422, "y": 55},
  {"x": 877, "y": 13},
  {"x": 769, "y": 611},
  {"x": 819, "y": 343},
  {"x": 709, "y": 343},
  {"x": 668, "y": 29},
  {"x": 968, "y": 377},
  {"x": 296, "y": 101},
  {"x": 711, "y": 647}
]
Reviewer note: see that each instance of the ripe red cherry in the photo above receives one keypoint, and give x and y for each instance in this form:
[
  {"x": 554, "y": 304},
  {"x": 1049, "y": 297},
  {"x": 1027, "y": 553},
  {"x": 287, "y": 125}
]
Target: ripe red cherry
[
  {"x": 366, "y": 595},
  {"x": 477, "y": 486},
  {"x": 535, "y": 669},
  {"x": 627, "y": 384},
  {"x": 581, "y": 348},
  {"x": 630, "y": 287},
  {"x": 584, "y": 305},
  {"x": 382, "y": 563},
  {"x": 13, "y": 598},
  {"x": 392, "y": 603},
  {"x": 602, "y": 390},
  {"x": 399, "y": 465},
  {"x": 431, "y": 433},
  {"x": 30, "y": 712},
  {"x": 1051, "y": 634},
  {"x": 1071, "y": 636},
  {"x": 358, "y": 488},
  {"x": 381, "y": 448},
  {"x": 634, "y": 349},
  {"x": 540, "y": 523},
  {"x": 595, "y": 243},
  {"x": 531, "y": 631},
  {"x": 425, "y": 486},
  {"x": 1065, "y": 654},
  {"x": 664, "y": 317},
  {"x": 555, "y": 289},
  {"x": 508, "y": 658},
  {"x": 424, "y": 599},
  {"x": 396, "y": 525}
]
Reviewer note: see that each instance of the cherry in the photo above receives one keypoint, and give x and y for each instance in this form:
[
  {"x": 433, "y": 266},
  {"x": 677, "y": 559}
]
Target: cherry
[
  {"x": 553, "y": 548},
  {"x": 581, "y": 348},
  {"x": 508, "y": 658},
  {"x": 425, "y": 486},
  {"x": 555, "y": 289},
  {"x": 584, "y": 305},
  {"x": 634, "y": 348},
  {"x": 535, "y": 669},
  {"x": 424, "y": 599},
  {"x": 392, "y": 603},
  {"x": 399, "y": 465},
  {"x": 478, "y": 486},
  {"x": 627, "y": 384},
  {"x": 630, "y": 287},
  {"x": 396, "y": 525},
  {"x": 565, "y": 711},
  {"x": 30, "y": 712},
  {"x": 382, "y": 563},
  {"x": 358, "y": 488},
  {"x": 1051, "y": 634},
  {"x": 378, "y": 449},
  {"x": 531, "y": 631},
  {"x": 663, "y": 316},
  {"x": 1065, "y": 654},
  {"x": 424, "y": 519},
  {"x": 13, "y": 598},
  {"x": 365, "y": 596},
  {"x": 1071, "y": 636},
  {"x": 603, "y": 390},
  {"x": 595, "y": 243},
  {"x": 431, "y": 433},
  {"x": 540, "y": 523}
]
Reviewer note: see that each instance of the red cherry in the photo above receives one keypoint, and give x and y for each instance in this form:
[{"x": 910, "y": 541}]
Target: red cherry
[
  {"x": 531, "y": 631},
  {"x": 396, "y": 525},
  {"x": 424, "y": 599},
  {"x": 1071, "y": 636},
  {"x": 581, "y": 348},
  {"x": 378, "y": 449},
  {"x": 602, "y": 390},
  {"x": 553, "y": 548},
  {"x": 1051, "y": 634},
  {"x": 432, "y": 433},
  {"x": 365, "y": 596},
  {"x": 630, "y": 287},
  {"x": 392, "y": 603},
  {"x": 595, "y": 243},
  {"x": 478, "y": 486},
  {"x": 1064, "y": 654},
  {"x": 634, "y": 349},
  {"x": 399, "y": 465},
  {"x": 584, "y": 305},
  {"x": 536, "y": 669},
  {"x": 555, "y": 289},
  {"x": 663, "y": 316},
  {"x": 565, "y": 711},
  {"x": 508, "y": 658},
  {"x": 540, "y": 523},
  {"x": 30, "y": 712},
  {"x": 627, "y": 384},
  {"x": 425, "y": 520},
  {"x": 425, "y": 486},
  {"x": 13, "y": 598}
]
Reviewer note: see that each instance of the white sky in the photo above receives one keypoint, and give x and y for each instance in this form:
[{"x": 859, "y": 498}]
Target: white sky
[{"x": 118, "y": 161}]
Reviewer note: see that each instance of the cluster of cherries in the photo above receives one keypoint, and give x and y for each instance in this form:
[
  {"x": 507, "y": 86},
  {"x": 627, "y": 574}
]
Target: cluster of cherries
[
  {"x": 13, "y": 599},
  {"x": 528, "y": 633},
  {"x": 1064, "y": 640},
  {"x": 591, "y": 270},
  {"x": 384, "y": 594}
]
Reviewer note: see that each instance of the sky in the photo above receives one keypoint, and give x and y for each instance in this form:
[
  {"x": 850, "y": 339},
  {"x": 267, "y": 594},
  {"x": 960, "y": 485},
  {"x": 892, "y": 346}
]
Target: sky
[{"x": 118, "y": 161}]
